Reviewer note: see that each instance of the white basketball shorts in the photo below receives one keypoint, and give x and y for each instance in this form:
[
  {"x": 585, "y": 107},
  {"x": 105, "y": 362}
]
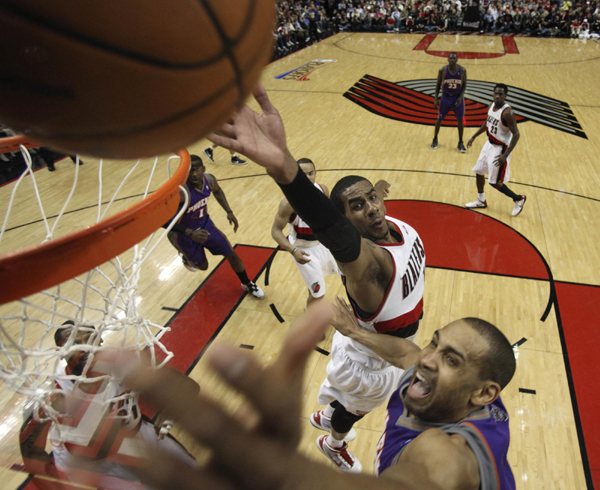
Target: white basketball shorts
[
  {"x": 358, "y": 389},
  {"x": 320, "y": 266},
  {"x": 485, "y": 164}
]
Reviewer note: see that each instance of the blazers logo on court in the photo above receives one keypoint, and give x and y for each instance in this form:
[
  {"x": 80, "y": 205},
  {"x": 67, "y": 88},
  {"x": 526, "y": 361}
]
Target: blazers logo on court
[
  {"x": 301, "y": 73},
  {"x": 412, "y": 102}
]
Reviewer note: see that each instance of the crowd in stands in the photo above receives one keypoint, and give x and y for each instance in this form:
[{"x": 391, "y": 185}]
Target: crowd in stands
[{"x": 301, "y": 23}]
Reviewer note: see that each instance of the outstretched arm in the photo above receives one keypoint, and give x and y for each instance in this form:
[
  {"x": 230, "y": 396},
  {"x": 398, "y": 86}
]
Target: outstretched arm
[
  {"x": 261, "y": 137},
  {"x": 263, "y": 454},
  {"x": 398, "y": 352},
  {"x": 219, "y": 194}
]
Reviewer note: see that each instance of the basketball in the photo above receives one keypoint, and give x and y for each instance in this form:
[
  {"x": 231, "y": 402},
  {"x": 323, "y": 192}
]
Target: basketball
[{"x": 128, "y": 79}]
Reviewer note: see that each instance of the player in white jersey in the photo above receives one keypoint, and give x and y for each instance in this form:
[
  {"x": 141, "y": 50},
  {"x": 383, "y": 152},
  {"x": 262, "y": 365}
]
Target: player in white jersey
[
  {"x": 494, "y": 159},
  {"x": 312, "y": 259},
  {"x": 349, "y": 225},
  {"x": 97, "y": 439}
]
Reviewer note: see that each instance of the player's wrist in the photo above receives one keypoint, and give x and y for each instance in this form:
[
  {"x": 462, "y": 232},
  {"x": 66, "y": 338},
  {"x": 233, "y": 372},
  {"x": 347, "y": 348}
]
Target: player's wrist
[
  {"x": 293, "y": 252},
  {"x": 188, "y": 232}
]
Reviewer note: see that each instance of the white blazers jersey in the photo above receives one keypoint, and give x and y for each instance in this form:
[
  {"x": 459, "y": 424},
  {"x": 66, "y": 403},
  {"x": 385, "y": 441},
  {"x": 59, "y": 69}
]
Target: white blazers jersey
[
  {"x": 300, "y": 233},
  {"x": 402, "y": 304},
  {"x": 497, "y": 132},
  {"x": 99, "y": 423}
]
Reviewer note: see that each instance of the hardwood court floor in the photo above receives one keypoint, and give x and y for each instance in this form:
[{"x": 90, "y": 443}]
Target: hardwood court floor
[{"x": 553, "y": 432}]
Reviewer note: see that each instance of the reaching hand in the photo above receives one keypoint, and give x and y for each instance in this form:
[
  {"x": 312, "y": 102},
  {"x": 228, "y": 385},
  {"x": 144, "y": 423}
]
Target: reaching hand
[
  {"x": 382, "y": 188},
  {"x": 260, "y": 137},
  {"x": 244, "y": 456},
  {"x": 470, "y": 142},
  {"x": 199, "y": 235},
  {"x": 300, "y": 256},
  {"x": 233, "y": 221},
  {"x": 344, "y": 322}
]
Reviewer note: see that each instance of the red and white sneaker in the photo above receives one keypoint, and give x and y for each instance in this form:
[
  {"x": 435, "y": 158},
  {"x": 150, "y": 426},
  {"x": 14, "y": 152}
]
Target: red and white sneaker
[
  {"x": 519, "y": 206},
  {"x": 320, "y": 421},
  {"x": 341, "y": 457}
]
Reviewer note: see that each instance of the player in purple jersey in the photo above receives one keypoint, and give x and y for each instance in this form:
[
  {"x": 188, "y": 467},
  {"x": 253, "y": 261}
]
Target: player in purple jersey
[
  {"x": 448, "y": 428},
  {"x": 195, "y": 231},
  {"x": 452, "y": 78}
]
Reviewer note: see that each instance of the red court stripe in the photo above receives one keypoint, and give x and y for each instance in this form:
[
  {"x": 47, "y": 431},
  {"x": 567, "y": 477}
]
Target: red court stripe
[
  {"x": 458, "y": 238},
  {"x": 578, "y": 305},
  {"x": 209, "y": 307}
]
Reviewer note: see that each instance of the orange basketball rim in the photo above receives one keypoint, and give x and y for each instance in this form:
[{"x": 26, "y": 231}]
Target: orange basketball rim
[{"x": 32, "y": 269}]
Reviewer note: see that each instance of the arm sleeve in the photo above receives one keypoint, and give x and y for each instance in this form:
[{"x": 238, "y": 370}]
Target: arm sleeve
[{"x": 332, "y": 228}]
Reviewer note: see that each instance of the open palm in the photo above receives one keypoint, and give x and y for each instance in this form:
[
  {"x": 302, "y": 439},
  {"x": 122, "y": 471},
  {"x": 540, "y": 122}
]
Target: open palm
[{"x": 260, "y": 137}]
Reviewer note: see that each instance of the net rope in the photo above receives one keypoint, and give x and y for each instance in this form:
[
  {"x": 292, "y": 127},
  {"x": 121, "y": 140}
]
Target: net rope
[{"x": 102, "y": 304}]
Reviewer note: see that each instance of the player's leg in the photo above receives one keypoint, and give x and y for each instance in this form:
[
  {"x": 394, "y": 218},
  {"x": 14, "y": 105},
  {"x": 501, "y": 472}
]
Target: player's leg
[
  {"x": 497, "y": 178},
  {"x": 459, "y": 112},
  {"x": 209, "y": 153},
  {"x": 238, "y": 267},
  {"x": 334, "y": 446},
  {"x": 235, "y": 159},
  {"x": 218, "y": 244},
  {"x": 445, "y": 106},
  {"x": 192, "y": 253},
  {"x": 481, "y": 169}
]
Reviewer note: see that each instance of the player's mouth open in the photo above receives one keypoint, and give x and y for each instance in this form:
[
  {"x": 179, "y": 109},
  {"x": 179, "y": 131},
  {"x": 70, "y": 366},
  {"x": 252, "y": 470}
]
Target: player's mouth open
[
  {"x": 378, "y": 223},
  {"x": 419, "y": 388}
]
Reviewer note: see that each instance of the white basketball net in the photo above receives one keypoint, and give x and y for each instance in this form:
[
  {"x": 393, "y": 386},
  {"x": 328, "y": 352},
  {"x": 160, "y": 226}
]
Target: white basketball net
[{"x": 101, "y": 303}]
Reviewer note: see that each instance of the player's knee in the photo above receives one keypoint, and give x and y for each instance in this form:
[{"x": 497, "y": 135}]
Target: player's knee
[
  {"x": 496, "y": 185},
  {"x": 342, "y": 420}
]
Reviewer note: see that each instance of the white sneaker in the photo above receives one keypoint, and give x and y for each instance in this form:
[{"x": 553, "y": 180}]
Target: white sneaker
[
  {"x": 186, "y": 264},
  {"x": 320, "y": 421},
  {"x": 519, "y": 205},
  {"x": 476, "y": 204},
  {"x": 341, "y": 457},
  {"x": 254, "y": 290}
]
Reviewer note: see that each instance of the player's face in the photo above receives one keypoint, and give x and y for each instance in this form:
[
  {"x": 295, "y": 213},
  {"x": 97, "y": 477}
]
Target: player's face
[
  {"x": 309, "y": 170},
  {"x": 196, "y": 173},
  {"x": 446, "y": 375},
  {"x": 452, "y": 60},
  {"x": 499, "y": 96},
  {"x": 85, "y": 335},
  {"x": 365, "y": 210}
]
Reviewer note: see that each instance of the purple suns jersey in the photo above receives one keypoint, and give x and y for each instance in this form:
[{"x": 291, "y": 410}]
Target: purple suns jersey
[
  {"x": 486, "y": 432},
  {"x": 196, "y": 215},
  {"x": 452, "y": 83}
]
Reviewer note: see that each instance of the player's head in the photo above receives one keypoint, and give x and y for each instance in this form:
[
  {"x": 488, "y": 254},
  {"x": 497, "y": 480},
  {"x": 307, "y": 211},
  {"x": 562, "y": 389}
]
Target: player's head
[
  {"x": 452, "y": 59},
  {"x": 196, "y": 170},
  {"x": 308, "y": 167},
  {"x": 84, "y": 335},
  {"x": 355, "y": 197},
  {"x": 466, "y": 365},
  {"x": 500, "y": 92}
]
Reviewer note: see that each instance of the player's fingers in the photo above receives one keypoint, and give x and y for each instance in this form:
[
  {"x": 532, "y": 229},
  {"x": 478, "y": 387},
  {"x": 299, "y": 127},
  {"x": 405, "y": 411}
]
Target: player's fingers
[
  {"x": 260, "y": 94},
  {"x": 164, "y": 471},
  {"x": 224, "y": 141}
]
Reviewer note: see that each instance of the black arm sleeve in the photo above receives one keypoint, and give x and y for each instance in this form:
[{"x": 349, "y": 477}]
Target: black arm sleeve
[{"x": 332, "y": 228}]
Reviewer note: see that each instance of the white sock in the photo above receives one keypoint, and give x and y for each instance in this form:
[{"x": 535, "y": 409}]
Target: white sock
[
  {"x": 328, "y": 412},
  {"x": 333, "y": 442},
  {"x": 481, "y": 196}
]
